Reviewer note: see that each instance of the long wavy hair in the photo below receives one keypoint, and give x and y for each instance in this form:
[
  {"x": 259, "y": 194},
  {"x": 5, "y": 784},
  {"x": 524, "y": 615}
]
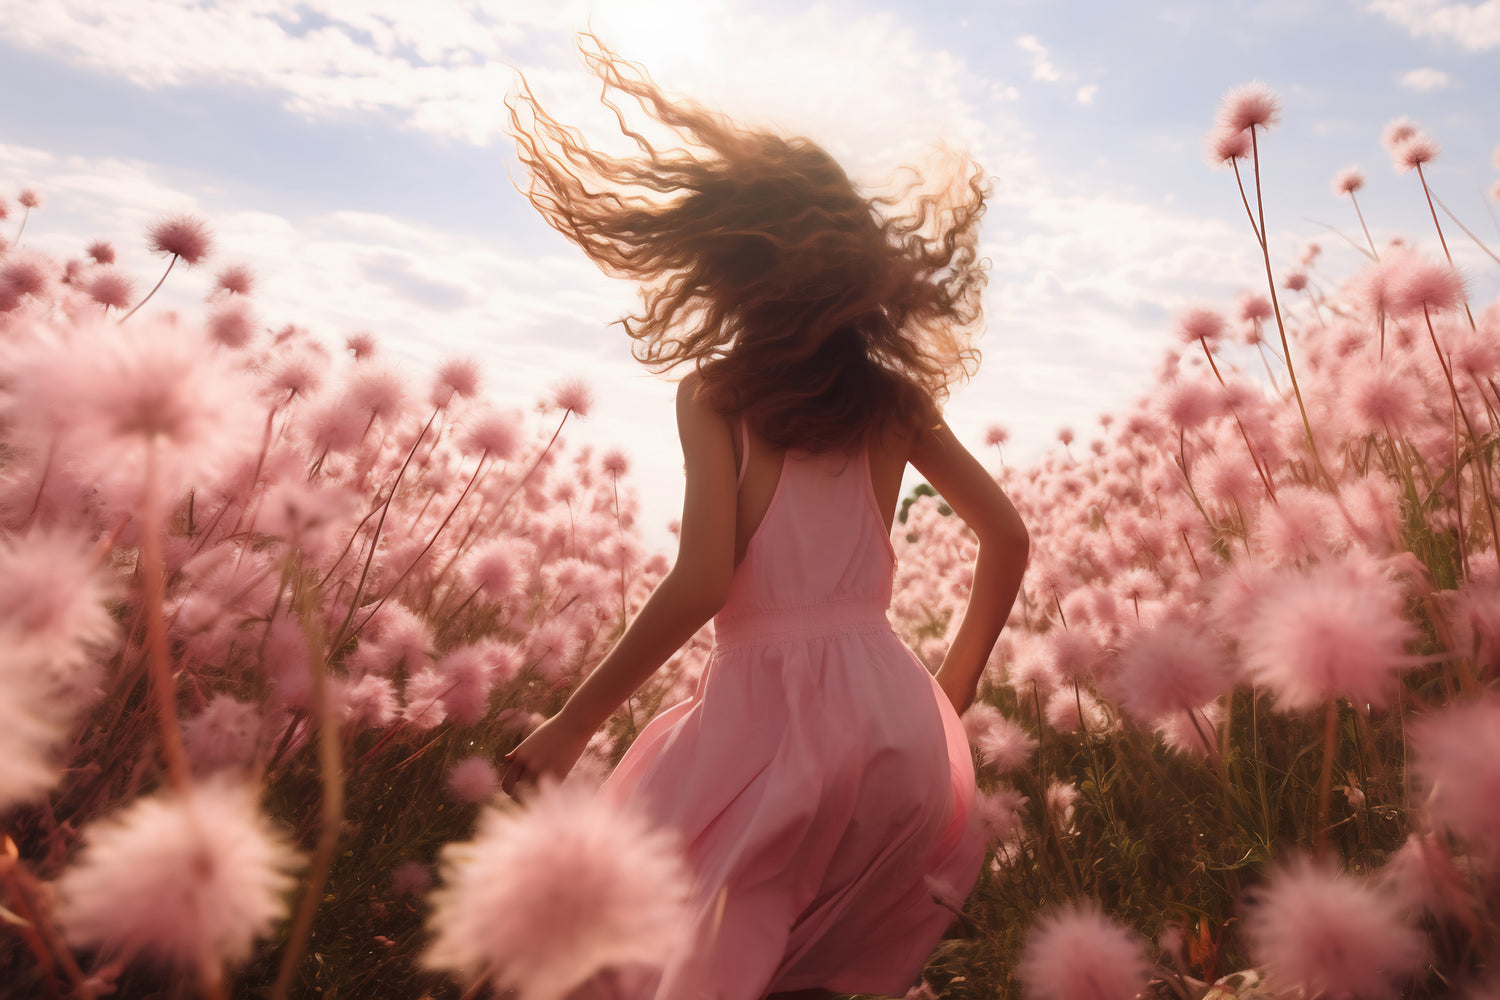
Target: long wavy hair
[{"x": 818, "y": 313}]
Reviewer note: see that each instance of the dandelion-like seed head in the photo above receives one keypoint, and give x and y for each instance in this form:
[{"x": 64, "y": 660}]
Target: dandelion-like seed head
[
  {"x": 184, "y": 236},
  {"x": 1397, "y": 131},
  {"x": 1414, "y": 152},
  {"x": 1200, "y": 323},
  {"x": 232, "y": 325},
  {"x": 111, "y": 289},
  {"x": 495, "y": 433},
  {"x": 995, "y": 435},
  {"x": 1075, "y": 952},
  {"x": 1171, "y": 668},
  {"x": 1224, "y": 146},
  {"x": 1458, "y": 763},
  {"x": 1252, "y": 105},
  {"x": 455, "y": 377},
  {"x": 544, "y": 898},
  {"x": 615, "y": 463},
  {"x": 101, "y": 252},
  {"x": 31, "y": 198},
  {"x": 1348, "y": 181},
  {"x": 236, "y": 279},
  {"x": 1320, "y": 932},
  {"x": 361, "y": 345},
  {"x": 1427, "y": 284},
  {"x": 25, "y": 274},
  {"x": 184, "y": 880},
  {"x": 472, "y": 780},
  {"x": 573, "y": 395},
  {"x": 1337, "y": 630}
]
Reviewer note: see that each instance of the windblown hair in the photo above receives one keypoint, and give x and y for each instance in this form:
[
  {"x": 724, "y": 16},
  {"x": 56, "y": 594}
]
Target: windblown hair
[{"x": 818, "y": 313}]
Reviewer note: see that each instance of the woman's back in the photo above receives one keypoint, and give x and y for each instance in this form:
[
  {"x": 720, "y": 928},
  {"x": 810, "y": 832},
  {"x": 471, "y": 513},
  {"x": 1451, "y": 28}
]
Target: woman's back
[{"x": 887, "y": 459}]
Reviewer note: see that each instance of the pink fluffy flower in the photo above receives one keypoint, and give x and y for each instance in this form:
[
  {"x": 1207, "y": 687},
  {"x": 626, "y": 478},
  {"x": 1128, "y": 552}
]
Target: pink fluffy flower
[
  {"x": 236, "y": 279},
  {"x": 1348, "y": 181},
  {"x": 231, "y": 325},
  {"x": 1226, "y": 145},
  {"x": 1000, "y": 812},
  {"x": 455, "y": 377},
  {"x": 1200, "y": 323},
  {"x": 615, "y": 463},
  {"x": 1075, "y": 952},
  {"x": 471, "y": 673},
  {"x": 573, "y": 395},
  {"x": 1188, "y": 403},
  {"x": 544, "y": 898},
  {"x": 361, "y": 345},
  {"x": 367, "y": 703},
  {"x": 1430, "y": 285},
  {"x": 995, "y": 435},
  {"x": 185, "y": 880},
  {"x": 495, "y": 433},
  {"x": 28, "y": 733},
  {"x": 184, "y": 236},
  {"x": 1458, "y": 764},
  {"x": 1249, "y": 106},
  {"x": 1397, "y": 131},
  {"x": 1415, "y": 151},
  {"x": 1321, "y": 932},
  {"x": 1336, "y": 630},
  {"x": 1381, "y": 399},
  {"x": 23, "y": 273},
  {"x": 111, "y": 288},
  {"x": 223, "y": 735},
  {"x": 1001, "y": 743},
  {"x": 473, "y": 780},
  {"x": 54, "y": 605},
  {"x": 1174, "y": 667},
  {"x": 31, "y": 198},
  {"x": 152, "y": 389}
]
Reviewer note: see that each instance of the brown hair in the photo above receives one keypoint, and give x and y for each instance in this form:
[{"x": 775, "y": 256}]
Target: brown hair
[{"x": 819, "y": 313}]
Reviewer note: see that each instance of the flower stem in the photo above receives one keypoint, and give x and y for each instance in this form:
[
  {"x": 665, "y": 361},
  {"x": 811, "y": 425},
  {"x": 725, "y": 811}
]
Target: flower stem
[{"x": 153, "y": 289}]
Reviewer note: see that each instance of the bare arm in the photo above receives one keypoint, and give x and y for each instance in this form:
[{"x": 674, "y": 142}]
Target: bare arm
[
  {"x": 1003, "y": 547},
  {"x": 691, "y": 593}
]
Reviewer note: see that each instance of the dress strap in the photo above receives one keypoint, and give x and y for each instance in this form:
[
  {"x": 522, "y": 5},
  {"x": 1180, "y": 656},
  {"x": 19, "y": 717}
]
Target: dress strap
[{"x": 744, "y": 450}]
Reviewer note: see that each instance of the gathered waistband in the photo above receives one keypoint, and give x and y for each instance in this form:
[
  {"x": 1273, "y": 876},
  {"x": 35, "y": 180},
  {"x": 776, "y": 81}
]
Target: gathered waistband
[{"x": 760, "y": 625}]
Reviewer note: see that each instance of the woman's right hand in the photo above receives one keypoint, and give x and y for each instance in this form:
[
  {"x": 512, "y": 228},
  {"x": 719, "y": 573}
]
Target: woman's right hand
[{"x": 550, "y": 751}]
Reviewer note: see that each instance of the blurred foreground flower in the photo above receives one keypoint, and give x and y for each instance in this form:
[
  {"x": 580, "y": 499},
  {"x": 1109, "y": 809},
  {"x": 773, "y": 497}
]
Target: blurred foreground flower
[
  {"x": 1078, "y": 953},
  {"x": 190, "y": 881},
  {"x": 545, "y": 897},
  {"x": 1324, "y": 932}
]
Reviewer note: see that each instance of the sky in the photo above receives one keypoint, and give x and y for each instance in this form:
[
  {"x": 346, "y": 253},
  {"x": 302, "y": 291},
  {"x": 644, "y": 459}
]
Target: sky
[{"x": 354, "y": 155}]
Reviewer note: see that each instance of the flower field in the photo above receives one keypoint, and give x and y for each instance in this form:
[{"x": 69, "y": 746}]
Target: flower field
[{"x": 272, "y": 610}]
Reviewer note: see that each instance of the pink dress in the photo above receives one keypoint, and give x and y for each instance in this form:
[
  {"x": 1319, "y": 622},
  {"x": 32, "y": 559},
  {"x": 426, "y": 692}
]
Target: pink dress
[{"x": 818, "y": 775}]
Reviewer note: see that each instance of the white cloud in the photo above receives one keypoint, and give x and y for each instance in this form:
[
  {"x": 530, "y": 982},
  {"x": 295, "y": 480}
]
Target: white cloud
[
  {"x": 1475, "y": 27},
  {"x": 1041, "y": 64},
  {"x": 1426, "y": 79},
  {"x": 1085, "y": 94}
]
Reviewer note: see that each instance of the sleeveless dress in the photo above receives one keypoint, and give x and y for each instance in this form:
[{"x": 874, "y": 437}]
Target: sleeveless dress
[{"x": 819, "y": 778}]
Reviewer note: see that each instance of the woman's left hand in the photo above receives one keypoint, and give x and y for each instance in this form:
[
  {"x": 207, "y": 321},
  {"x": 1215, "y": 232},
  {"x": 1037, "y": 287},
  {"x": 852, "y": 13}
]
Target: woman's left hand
[{"x": 550, "y": 751}]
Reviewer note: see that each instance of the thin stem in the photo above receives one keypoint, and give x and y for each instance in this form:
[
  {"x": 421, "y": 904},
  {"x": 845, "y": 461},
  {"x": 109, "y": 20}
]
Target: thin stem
[
  {"x": 1467, "y": 232},
  {"x": 163, "y": 688},
  {"x": 1286, "y": 348},
  {"x": 1373, "y": 252},
  {"x": 1325, "y": 780},
  {"x": 153, "y": 289},
  {"x": 330, "y": 766},
  {"x": 1441, "y": 239}
]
